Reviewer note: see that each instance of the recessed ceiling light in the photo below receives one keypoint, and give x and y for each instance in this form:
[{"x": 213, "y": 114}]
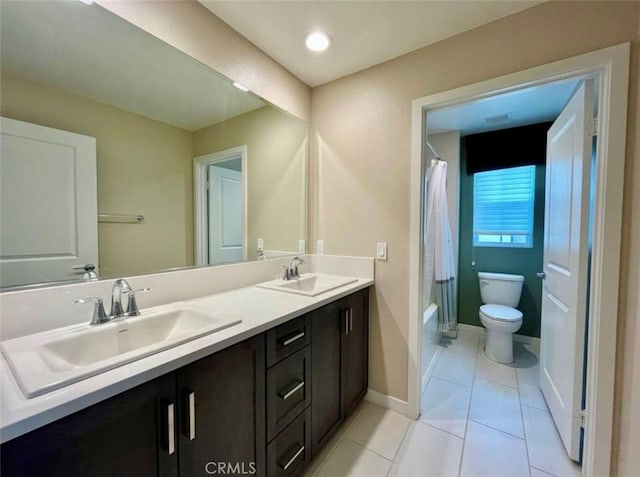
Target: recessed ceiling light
[
  {"x": 87, "y": 2},
  {"x": 317, "y": 41},
  {"x": 240, "y": 86}
]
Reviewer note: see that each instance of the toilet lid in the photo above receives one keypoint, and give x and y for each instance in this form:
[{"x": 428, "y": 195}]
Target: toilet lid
[{"x": 501, "y": 313}]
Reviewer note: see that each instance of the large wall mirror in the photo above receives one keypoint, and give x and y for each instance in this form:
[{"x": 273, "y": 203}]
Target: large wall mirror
[{"x": 121, "y": 151}]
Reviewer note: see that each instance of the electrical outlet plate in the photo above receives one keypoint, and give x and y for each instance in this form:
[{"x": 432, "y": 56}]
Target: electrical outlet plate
[
  {"x": 260, "y": 245},
  {"x": 302, "y": 246},
  {"x": 381, "y": 251},
  {"x": 320, "y": 247}
]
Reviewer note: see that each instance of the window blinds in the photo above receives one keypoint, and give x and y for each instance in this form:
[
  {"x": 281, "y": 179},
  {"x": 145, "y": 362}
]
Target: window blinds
[{"x": 503, "y": 207}]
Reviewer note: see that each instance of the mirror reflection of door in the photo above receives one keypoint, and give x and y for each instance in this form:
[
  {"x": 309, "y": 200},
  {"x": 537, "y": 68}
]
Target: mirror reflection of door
[
  {"x": 220, "y": 185},
  {"x": 48, "y": 192},
  {"x": 226, "y": 212}
]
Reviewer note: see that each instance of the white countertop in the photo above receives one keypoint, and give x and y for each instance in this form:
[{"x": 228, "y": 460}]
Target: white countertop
[{"x": 259, "y": 309}]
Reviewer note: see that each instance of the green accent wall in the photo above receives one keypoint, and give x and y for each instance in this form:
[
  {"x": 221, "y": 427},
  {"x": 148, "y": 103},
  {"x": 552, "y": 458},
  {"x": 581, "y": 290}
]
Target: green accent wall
[{"x": 520, "y": 261}]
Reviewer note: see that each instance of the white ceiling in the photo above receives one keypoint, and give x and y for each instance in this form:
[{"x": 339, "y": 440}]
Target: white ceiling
[
  {"x": 364, "y": 33},
  {"x": 525, "y": 106},
  {"x": 91, "y": 52}
]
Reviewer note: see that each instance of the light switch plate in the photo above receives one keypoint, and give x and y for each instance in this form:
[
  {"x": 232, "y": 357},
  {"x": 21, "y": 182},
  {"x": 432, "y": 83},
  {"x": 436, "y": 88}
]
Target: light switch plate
[
  {"x": 260, "y": 245},
  {"x": 320, "y": 247},
  {"x": 302, "y": 246},
  {"x": 381, "y": 251}
]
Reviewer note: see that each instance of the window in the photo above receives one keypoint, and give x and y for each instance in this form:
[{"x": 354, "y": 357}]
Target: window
[{"x": 503, "y": 207}]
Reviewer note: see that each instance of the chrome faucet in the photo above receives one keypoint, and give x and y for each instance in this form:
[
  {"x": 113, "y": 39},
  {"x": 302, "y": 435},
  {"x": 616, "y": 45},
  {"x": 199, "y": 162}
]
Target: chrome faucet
[
  {"x": 120, "y": 287},
  {"x": 291, "y": 271},
  {"x": 99, "y": 316}
]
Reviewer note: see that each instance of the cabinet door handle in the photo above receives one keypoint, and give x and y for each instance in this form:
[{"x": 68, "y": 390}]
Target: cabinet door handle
[
  {"x": 171, "y": 440},
  {"x": 287, "y": 394},
  {"x": 288, "y": 341},
  {"x": 346, "y": 321},
  {"x": 293, "y": 459},
  {"x": 191, "y": 397},
  {"x": 350, "y": 319}
]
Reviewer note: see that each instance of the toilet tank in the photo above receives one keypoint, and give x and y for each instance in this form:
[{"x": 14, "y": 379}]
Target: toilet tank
[{"x": 500, "y": 288}]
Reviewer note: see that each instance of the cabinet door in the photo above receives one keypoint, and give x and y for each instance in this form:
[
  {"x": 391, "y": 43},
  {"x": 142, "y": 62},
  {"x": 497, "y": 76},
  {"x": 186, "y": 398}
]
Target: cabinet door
[
  {"x": 326, "y": 326},
  {"x": 355, "y": 350},
  {"x": 122, "y": 436},
  {"x": 221, "y": 412}
]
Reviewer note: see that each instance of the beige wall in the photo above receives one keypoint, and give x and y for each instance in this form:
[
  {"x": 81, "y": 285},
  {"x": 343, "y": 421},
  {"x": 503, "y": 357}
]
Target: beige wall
[
  {"x": 360, "y": 160},
  {"x": 627, "y": 436},
  {"x": 144, "y": 167},
  {"x": 190, "y": 27},
  {"x": 276, "y": 170}
]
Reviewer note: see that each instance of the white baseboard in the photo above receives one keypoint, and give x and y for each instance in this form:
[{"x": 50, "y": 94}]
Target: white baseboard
[
  {"x": 429, "y": 371},
  {"x": 386, "y": 401},
  {"x": 480, "y": 330},
  {"x": 467, "y": 329}
]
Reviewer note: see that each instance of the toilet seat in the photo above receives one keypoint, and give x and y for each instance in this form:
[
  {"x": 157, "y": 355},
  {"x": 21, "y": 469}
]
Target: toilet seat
[{"x": 501, "y": 313}]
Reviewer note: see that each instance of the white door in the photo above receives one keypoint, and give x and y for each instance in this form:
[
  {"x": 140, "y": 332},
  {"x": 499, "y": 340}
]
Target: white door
[
  {"x": 48, "y": 204},
  {"x": 564, "y": 293},
  {"x": 226, "y": 215}
]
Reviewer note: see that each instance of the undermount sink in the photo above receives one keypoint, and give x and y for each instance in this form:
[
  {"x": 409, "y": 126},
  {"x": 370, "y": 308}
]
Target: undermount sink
[
  {"x": 309, "y": 284},
  {"x": 50, "y": 360}
]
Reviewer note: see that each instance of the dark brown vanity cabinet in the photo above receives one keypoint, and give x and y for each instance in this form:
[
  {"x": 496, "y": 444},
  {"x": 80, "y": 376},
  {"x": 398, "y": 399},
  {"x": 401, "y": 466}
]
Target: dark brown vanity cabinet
[
  {"x": 290, "y": 451},
  {"x": 259, "y": 407},
  {"x": 355, "y": 350},
  {"x": 289, "y": 398},
  {"x": 339, "y": 339},
  {"x": 127, "y": 435},
  {"x": 221, "y": 412},
  {"x": 204, "y": 419}
]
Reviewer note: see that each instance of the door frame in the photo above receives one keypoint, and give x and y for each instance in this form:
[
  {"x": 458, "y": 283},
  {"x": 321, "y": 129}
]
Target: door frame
[
  {"x": 200, "y": 207},
  {"x": 611, "y": 67}
]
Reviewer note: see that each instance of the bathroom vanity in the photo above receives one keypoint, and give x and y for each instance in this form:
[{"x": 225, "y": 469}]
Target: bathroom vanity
[{"x": 264, "y": 405}]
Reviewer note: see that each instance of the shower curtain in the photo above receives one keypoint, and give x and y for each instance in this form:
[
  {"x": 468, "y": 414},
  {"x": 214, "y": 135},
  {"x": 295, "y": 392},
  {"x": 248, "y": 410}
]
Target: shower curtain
[{"x": 438, "y": 248}]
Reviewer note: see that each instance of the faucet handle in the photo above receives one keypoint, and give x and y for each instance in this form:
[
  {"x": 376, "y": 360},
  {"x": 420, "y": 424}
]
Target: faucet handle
[
  {"x": 99, "y": 315},
  {"x": 295, "y": 272},
  {"x": 132, "y": 306},
  {"x": 286, "y": 274}
]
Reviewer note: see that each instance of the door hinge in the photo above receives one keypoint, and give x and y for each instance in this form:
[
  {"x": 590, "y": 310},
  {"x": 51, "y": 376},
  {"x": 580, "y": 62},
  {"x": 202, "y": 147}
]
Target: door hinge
[
  {"x": 583, "y": 416},
  {"x": 592, "y": 127}
]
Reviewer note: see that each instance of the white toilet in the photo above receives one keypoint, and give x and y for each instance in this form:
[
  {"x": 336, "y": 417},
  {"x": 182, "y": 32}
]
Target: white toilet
[{"x": 500, "y": 294}]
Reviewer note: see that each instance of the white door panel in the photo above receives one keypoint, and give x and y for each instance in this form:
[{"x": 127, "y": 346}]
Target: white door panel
[
  {"x": 48, "y": 199},
  {"x": 565, "y": 265},
  {"x": 226, "y": 215}
]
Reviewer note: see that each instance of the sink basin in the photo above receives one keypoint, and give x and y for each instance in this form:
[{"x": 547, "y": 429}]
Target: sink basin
[
  {"x": 309, "y": 284},
  {"x": 50, "y": 360}
]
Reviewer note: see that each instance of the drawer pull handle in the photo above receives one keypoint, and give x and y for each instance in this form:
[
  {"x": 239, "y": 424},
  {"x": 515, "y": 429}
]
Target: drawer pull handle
[
  {"x": 293, "y": 339},
  {"x": 286, "y": 395},
  {"x": 171, "y": 442},
  {"x": 192, "y": 416},
  {"x": 293, "y": 459}
]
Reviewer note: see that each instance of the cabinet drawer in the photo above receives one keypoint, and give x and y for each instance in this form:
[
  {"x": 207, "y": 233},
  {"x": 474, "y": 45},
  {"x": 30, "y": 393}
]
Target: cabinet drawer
[
  {"x": 289, "y": 453},
  {"x": 288, "y": 390},
  {"x": 286, "y": 339}
]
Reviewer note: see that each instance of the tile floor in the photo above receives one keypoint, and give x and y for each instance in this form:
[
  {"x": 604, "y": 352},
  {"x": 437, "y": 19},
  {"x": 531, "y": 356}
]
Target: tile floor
[{"x": 479, "y": 419}]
